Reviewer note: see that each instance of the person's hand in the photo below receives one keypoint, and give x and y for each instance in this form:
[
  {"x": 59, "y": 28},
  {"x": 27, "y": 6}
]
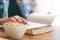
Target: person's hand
[
  {"x": 12, "y": 19},
  {"x": 19, "y": 19}
]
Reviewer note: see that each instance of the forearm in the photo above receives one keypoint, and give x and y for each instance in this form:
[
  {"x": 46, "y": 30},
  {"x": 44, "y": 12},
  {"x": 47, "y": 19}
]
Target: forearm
[
  {"x": 4, "y": 20},
  {"x": 1, "y": 21}
]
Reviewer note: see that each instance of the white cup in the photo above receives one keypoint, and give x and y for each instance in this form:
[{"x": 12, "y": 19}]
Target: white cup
[{"x": 15, "y": 32}]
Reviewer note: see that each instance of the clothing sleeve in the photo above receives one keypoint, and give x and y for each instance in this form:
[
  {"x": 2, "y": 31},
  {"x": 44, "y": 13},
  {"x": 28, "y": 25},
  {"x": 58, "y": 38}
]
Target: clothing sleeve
[
  {"x": 6, "y": 5},
  {"x": 1, "y": 9},
  {"x": 4, "y": 8},
  {"x": 25, "y": 8}
]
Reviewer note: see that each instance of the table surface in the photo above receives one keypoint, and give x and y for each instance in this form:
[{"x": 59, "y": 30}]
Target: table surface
[{"x": 53, "y": 35}]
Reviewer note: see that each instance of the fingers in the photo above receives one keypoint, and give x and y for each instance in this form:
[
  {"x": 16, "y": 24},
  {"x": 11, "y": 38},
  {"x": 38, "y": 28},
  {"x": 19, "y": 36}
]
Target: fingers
[
  {"x": 17, "y": 19},
  {"x": 12, "y": 19},
  {"x": 20, "y": 19}
]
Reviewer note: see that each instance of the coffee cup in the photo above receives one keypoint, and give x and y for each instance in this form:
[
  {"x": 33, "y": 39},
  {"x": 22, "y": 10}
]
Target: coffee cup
[{"x": 15, "y": 30}]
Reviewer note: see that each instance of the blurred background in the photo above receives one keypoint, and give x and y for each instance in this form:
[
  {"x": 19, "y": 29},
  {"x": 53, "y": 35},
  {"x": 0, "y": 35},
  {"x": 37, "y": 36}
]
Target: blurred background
[{"x": 24, "y": 8}]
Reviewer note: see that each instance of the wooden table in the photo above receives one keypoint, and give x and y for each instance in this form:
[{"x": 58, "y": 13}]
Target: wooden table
[{"x": 53, "y": 35}]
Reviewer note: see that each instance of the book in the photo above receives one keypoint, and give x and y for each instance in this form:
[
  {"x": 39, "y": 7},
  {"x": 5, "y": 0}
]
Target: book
[{"x": 38, "y": 28}]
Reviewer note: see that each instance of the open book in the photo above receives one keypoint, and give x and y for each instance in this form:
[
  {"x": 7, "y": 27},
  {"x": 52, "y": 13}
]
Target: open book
[
  {"x": 40, "y": 23},
  {"x": 37, "y": 28}
]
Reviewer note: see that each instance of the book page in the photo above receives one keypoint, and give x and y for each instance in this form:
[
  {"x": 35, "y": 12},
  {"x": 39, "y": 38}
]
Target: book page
[{"x": 35, "y": 25}]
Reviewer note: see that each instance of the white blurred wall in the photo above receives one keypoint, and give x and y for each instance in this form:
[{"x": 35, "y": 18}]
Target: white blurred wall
[
  {"x": 53, "y": 6},
  {"x": 43, "y": 6},
  {"x": 56, "y": 7}
]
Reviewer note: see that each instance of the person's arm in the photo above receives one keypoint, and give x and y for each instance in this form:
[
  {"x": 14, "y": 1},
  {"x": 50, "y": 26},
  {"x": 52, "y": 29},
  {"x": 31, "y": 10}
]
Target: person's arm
[
  {"x": 12, "y": 19},
  {"x": 1, "y": 21},
  {"x": 4, "y": 20}
]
